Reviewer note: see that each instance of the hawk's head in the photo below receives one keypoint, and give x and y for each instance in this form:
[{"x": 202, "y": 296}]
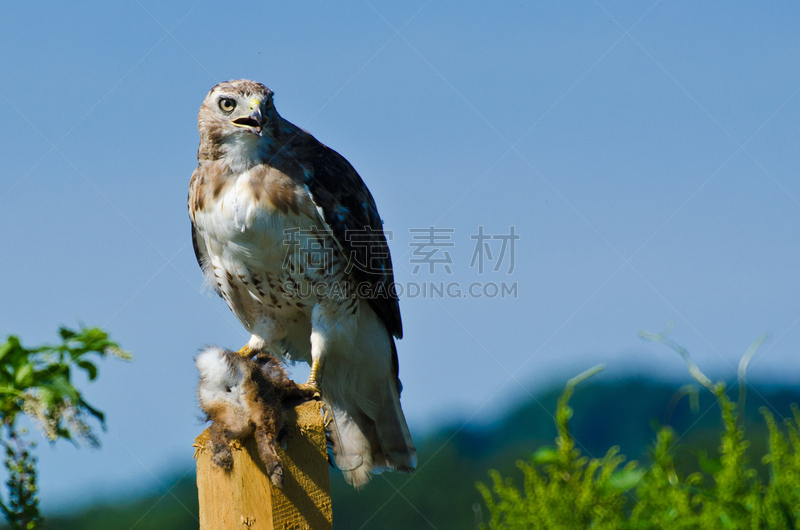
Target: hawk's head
[{"x": 236, "y": 118}]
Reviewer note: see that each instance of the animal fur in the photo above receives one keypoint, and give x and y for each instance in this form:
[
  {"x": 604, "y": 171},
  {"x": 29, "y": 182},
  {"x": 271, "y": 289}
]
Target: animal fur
[{"x": 242, "y": 397}]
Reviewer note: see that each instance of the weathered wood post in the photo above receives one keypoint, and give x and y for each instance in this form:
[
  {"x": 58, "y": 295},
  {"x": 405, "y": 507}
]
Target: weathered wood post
[{"x": 245, "y": 499}]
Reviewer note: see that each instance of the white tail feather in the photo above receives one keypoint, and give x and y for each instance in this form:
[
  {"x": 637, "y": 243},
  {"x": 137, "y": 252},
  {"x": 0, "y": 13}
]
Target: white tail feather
[{"x": 365, "y": 444}]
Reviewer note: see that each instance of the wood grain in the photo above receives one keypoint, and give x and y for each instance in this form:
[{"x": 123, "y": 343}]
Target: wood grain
[{"x": 245, "y": 499}]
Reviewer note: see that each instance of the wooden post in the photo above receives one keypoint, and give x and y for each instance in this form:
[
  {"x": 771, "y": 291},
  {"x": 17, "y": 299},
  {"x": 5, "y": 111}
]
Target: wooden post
[{"x": 245, "y": 499}]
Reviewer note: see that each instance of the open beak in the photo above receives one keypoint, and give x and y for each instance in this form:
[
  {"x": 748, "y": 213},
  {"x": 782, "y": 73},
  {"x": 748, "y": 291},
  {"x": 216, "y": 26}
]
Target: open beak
[{"x": 253, "y": 123}]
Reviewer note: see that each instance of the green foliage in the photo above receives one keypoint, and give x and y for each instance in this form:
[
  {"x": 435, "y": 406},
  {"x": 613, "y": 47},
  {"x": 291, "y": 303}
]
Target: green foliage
[
  {"x": 38, "y": 382},
  {"x": 23, "y": 505},
  {"x": 570, "y": 491},
  {"x": 562, "y": 489}
]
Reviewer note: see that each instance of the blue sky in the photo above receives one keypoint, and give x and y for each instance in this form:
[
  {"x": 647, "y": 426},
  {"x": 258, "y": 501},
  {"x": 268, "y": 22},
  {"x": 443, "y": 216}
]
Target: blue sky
[{"x": 647, "y": 153}]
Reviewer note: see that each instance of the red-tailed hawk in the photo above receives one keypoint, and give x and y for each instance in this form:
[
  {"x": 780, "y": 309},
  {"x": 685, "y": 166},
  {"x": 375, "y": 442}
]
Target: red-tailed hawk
[{"x": 289, "y": 236}]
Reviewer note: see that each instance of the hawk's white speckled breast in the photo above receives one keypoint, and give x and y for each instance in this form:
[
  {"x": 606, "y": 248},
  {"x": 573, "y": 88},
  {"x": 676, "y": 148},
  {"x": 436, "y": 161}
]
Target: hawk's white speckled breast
[{"x": 266, "y": 261}]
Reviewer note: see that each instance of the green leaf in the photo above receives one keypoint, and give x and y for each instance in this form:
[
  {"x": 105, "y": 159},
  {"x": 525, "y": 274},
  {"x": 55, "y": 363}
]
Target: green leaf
[
  {"x": 90, "y": 368},
  {"x": 709, "y": 465},
  {"x": 7, "y": 346},
  {"x": 66, "y": 333},
  {"x": 545, "y": 455},
  {"x": 47, "y": 396},
  {"x": 24, "y": 375},
  {"x": 626, "y": 479},
  {"x": 62, "y": 388},
  {"x": 94, "y": 412}
]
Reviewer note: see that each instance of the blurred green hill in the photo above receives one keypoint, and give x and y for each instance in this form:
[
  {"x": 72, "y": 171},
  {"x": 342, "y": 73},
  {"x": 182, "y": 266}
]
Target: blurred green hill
[{"x": 441, "y": 493}]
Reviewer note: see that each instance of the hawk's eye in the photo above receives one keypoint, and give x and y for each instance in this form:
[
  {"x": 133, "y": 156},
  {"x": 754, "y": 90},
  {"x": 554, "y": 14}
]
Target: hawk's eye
[{"x": 227, "y": 104}]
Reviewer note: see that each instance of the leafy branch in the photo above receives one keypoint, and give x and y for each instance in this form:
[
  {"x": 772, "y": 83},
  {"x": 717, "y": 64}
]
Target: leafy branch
[{"x": 38, "y": 382}]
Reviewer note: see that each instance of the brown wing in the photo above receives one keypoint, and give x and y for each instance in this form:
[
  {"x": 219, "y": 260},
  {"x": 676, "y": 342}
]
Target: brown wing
[
  {"x": 349, "y": 210},
  {"x": 201, "y": 255},
  {"x": 195, "y": 203}
]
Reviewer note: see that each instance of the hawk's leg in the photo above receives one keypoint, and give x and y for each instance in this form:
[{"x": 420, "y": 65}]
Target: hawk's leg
[
  {"x": 267, "y": 334},
  {"x": 314, "y": 378},
  {"x": 330, "y": 328}
]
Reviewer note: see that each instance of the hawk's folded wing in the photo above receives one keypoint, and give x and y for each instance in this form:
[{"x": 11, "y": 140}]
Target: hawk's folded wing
[{"x": 349, "y": 210}]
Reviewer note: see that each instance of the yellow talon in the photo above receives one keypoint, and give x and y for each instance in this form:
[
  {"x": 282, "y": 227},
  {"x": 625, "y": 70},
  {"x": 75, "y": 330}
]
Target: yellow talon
[
  {"x": 311, "y": 387},
  {"x": 313, "y": 379},
  {"x": 326, "y": 418},
  {"x": 246, "y": 351}
]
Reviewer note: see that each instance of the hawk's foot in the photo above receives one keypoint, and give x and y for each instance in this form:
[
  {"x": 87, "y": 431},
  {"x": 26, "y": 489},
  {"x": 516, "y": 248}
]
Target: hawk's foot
[
  {"x": 310, "y": 390},
  {"x": 247, "y": 352}
]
